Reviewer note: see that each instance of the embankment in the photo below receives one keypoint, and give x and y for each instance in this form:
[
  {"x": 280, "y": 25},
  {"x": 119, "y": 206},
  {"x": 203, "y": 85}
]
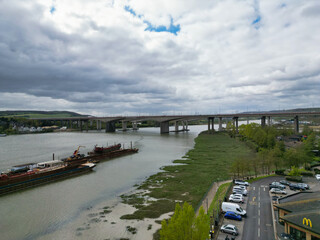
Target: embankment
[{"x": 189, "y": 179}]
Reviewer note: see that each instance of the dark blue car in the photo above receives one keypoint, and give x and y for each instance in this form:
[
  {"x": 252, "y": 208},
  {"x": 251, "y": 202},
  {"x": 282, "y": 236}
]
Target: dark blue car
[{"x": 232, "y": 215}]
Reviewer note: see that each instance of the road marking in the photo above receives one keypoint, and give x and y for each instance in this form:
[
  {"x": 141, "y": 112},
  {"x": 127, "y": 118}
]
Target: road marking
[
  {"x": 253, "y": 199},
  {"x": 254, "y": 188},
  {"x": 264, "y": 189},
  {"x": 253, "y": 203},
  {"x": 259, "y": 232},
  {"x": 259, "y": 212},
  {"x": 259, "y": 220},
  {"x": 259, "y": 204}
]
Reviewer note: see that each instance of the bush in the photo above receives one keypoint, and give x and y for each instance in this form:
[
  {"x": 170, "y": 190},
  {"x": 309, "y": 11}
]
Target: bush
[
  {"x": 294, "y": 178},
  {"x": 252, "y": 145},
  {"x": 280, "y": 172},
  {"x": 295, "y": 171},
  {"x": 307, "y": 173},
  {"x": 316, "y": 171}
]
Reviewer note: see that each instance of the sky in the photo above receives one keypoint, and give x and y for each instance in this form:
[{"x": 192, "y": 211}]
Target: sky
[{"x": 136, "y": 57}]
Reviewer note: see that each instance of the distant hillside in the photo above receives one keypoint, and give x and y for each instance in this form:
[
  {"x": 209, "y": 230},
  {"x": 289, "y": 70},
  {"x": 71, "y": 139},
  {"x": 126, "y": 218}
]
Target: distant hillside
[
  {"x": 40, "y": 114},
  {"x": 289, "y": 110}
]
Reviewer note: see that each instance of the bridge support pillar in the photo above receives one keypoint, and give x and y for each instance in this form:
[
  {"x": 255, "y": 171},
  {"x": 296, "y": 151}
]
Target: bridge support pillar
[
  {"x": 80, "y": 125},
  {"x": 183, "y": 126},
  {"x": 220, "y": 123},
  {"x": 110, "y": 126},
  {"x": 269, "y": 121},
  {"x": 124, "y": 125},
  {"x": 186, "y": 125},
  {"x": 87, "y": 125},
  {"x": 211, "y": 122},
  {"x": 176, "y": 126},
  {"x": 236, "y": 123},
  {"x": 134, "y": 126},
  {"x": 263, "y": 121},
  {"x": 296, "y": 124},
  {"x": 98, "y": 122},
  {"x": 164, "y": 127}
]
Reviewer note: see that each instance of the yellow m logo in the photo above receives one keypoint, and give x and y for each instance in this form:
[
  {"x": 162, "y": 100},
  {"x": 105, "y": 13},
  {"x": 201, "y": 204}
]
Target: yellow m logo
[{"x": 307, "y": 221}]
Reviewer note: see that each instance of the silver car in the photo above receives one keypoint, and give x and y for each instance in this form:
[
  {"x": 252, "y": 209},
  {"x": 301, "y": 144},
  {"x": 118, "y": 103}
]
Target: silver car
[
  {"x": 278, "y": 191},
  {"x": 229, "y": 228},
  {"x": 238, "y": 199}
]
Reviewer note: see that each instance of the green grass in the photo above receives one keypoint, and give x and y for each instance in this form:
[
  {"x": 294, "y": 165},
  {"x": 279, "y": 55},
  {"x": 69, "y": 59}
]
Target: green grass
[
  {"x": 221, "y": 192},
  {"x": 209, "y": 161}
]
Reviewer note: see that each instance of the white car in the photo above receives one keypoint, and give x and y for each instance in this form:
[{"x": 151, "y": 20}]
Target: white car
[
  {"x": 238, "y": 199},
  {"x": 241, "y": 182},
  {"x": 229, "y": 228},
  {"x": 278, "y": 191},
  {"x": 240, "y": 187},
  {"x": 239, "y": 191},
  {"x": 318, "y": 176}
]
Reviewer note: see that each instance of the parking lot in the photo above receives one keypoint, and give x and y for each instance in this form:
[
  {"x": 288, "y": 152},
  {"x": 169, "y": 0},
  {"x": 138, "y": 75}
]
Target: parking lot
[{"x": 260, "y": 222}]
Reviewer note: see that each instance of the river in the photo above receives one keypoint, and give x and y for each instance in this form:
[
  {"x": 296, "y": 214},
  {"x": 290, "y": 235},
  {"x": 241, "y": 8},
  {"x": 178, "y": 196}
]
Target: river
[{"x": 57, "y": 210}]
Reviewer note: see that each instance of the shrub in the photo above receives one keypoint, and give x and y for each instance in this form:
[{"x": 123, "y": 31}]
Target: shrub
[
  {"x": 307, "y": 173},
  {"x": 280, "y": 172},
  {"x": 316, "y": 171},
  {"x": 294, "y": 171},
  {"x": 294, "y": 178}
]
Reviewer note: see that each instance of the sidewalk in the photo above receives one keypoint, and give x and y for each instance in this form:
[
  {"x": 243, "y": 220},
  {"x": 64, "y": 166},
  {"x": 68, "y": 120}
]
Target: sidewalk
[{"x": 210, "y": 195}]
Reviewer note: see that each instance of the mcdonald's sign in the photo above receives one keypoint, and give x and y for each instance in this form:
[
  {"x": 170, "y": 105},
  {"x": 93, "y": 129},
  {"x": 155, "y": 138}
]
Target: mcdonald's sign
[{"x": 307, "y": 221}]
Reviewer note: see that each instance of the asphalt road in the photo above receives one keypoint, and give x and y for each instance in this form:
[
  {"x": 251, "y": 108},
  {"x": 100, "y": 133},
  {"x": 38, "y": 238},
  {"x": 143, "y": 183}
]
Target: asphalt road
[{"x": 259, "y": 225}]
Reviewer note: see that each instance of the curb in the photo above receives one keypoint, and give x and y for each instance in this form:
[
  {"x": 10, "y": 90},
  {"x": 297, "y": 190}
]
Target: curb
[{"x": 273, "y": 219}]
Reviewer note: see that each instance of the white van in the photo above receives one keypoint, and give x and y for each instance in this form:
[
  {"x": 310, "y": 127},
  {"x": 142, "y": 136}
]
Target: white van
[{"x": 233, "y": 207}]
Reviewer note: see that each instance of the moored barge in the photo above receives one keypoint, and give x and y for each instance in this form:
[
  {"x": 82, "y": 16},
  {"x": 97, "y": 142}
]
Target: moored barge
[{"x": 33, "y": 174}]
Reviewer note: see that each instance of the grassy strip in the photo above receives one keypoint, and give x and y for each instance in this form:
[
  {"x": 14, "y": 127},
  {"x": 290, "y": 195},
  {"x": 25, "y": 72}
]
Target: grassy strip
[
  {"x": 261, "y": 177},
  {"x": 221, "y": 192},
  {"x": 209, "y": 161}
]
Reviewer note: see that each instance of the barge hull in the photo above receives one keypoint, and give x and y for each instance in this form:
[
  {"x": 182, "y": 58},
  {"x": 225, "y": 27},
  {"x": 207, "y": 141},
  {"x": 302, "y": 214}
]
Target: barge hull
[{"x": 33, "y": 181}]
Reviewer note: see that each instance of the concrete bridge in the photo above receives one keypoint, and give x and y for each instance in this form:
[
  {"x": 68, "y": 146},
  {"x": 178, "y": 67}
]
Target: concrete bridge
[{"x": 178, "y": 120}]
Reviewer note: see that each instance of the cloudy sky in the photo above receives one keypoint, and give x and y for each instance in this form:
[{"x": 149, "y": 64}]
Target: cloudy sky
[{"x": 111, "y": 57}]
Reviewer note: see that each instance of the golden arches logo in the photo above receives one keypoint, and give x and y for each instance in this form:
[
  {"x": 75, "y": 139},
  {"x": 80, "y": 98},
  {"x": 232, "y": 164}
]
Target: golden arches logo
[{"x": 307, "y": 221}]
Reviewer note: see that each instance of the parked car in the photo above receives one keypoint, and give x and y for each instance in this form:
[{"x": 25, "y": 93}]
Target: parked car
[
  {"x": 294, "y": 186},
  {"x": 233, "y": 207},
  {"x": 318, "y": 176},
  {"x": 278, "y": 191},
  {"x": 285, "y": 182},
  {"x": 306, "y": 186},
  {"x": 243, "y": 187},
  {"x": 238, "y": 194},
  {"x": 286, "y": 236},
  {"x": 232, "y": 215},
  {"x": 276, "y": 185},
  {"x": 229, "y": 228},
  {"x": 241, "y": 182},
  {"x": 238, "y": 199},
  {"x": 240, "y": 191}
]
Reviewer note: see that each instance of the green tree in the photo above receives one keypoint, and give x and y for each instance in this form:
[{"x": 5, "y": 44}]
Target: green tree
[
  {"x": 306, "y": 130},
  {"x": 185, "y": 225}
]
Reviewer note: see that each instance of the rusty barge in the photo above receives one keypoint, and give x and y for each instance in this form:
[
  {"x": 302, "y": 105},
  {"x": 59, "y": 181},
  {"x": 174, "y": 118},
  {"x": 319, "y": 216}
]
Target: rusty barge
[{"x": 33, "y": 174}]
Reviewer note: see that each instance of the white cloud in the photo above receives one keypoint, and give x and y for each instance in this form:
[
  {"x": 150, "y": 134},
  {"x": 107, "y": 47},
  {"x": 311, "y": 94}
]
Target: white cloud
[{"x": 95, "y": 56}]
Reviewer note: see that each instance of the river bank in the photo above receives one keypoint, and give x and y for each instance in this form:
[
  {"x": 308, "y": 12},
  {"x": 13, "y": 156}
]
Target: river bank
[{"x": 188, "y": 179}]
